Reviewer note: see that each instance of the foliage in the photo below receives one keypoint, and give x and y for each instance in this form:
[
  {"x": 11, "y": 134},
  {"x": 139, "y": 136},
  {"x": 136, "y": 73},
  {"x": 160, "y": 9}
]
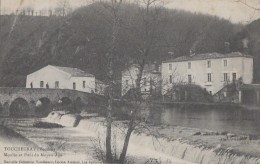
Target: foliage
[{"x": 81, "y": 39}]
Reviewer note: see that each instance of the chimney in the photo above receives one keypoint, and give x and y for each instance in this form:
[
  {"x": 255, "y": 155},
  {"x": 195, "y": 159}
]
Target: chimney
[{"x": 227, "y": 47}]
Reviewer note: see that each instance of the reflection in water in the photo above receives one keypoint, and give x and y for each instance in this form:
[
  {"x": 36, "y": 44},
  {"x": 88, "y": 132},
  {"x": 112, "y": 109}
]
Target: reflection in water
[{"x": 234, "y": 120}]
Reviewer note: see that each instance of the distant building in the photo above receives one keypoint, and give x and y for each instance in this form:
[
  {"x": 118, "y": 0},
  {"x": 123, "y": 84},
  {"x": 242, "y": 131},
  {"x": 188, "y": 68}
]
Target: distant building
[
  {"x": 100, "y": 87},
  {"x": 211, "y": 71},
  {"x": 55, "y": 77},
  {"x": 150, "y": 82}
]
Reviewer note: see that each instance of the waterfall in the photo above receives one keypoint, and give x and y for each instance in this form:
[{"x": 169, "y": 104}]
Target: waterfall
[{"x": 178, "y": 148}]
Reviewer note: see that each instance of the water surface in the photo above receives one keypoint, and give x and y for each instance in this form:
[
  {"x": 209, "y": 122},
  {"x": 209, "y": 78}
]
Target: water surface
[{"x": 240, "y": 121}]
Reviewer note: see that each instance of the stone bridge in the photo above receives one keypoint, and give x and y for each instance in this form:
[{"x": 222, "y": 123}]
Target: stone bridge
[{"x": 37, "y": 101}]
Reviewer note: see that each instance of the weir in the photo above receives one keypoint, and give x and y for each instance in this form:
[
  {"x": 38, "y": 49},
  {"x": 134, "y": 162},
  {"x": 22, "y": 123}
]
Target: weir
[{"x": 178, "y": 148}]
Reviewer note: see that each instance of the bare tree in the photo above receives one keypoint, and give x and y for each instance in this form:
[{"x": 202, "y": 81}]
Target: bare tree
[
  {"x": 63, "y": 8},
  {"x": 148, "y": 31},
  {"x": 244, "y": 2},
  {"x": 252, "y": 6}
]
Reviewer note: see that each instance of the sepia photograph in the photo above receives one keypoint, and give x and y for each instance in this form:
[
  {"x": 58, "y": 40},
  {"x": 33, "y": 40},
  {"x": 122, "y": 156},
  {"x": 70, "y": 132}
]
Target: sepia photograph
[{"x": 129, "y": 81}]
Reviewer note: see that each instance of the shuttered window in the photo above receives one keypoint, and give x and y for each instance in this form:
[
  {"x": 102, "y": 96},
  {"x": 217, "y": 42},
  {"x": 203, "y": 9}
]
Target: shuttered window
[
  {"x": 209, "y": 77},
  {"x": 225, "y": 77},
  {"x": 189, "y": 79}
]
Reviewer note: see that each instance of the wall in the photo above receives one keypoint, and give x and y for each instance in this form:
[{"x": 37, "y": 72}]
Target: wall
[
  {"x": 89, "y": 85},
  {"x": 243, "y": 67},
  {"x": 49, "y": 75},
  {"x": 131, "y": 75}
]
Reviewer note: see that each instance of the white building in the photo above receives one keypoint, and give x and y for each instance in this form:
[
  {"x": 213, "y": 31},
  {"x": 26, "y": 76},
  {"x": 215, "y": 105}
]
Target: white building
[
  {"x": 63, "y": 78},
  {"x": 211, "y": 71},
  {"x": 150, "y": 81}
]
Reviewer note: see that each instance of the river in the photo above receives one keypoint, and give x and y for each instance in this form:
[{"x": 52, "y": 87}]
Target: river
[{"x": 240, "y": 121}]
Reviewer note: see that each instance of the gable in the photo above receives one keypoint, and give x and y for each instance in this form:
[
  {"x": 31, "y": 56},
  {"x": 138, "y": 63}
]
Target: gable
[{"x": 49, "y": 70}]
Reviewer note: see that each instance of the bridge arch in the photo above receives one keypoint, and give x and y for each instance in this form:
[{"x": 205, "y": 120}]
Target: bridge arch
[
  {"x": 43, "y": 107},
  {"x": 19, "y": 108},
  {"x": 66, "y": 101},
  {"x": 78, "y": 105}
]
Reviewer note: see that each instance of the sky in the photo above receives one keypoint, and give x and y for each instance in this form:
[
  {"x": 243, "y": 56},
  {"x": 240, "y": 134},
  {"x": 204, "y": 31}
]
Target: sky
[{"x": 236, "y": 12}]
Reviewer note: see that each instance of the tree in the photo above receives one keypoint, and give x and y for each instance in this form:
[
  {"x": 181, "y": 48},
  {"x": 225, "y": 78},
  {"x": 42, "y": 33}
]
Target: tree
[
  {"x": 63, "y": 8},
  {"x": 253, "y": 6},
  {"x": 146, "y": 36}
]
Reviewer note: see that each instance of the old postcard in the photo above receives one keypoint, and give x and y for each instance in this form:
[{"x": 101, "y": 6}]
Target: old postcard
[{"x": 129, "y": 81}]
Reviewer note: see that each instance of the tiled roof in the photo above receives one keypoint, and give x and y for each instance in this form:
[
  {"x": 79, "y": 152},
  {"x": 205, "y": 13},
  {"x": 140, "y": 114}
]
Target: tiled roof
[
  {"x": 75, "y": 72},
  {"x": 206, "y": 56}
]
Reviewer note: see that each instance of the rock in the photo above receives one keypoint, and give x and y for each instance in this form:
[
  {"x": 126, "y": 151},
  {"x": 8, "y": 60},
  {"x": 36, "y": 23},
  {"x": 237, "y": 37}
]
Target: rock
[
  {"x": 224, "y": 133},
  {"x": 70, "y": 120},
  {"x": 230, "y": 135},
  {"x": 197, "y": 134},
  {"x": 209, "y": 133},
  {"x": 63, "y": 118}
]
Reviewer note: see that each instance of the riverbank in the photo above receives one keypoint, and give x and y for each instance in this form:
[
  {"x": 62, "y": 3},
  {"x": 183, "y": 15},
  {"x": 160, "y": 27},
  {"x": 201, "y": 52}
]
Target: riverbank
[
  {"x": 82, "y": 142},
  {"x": 199, "y": 105}
]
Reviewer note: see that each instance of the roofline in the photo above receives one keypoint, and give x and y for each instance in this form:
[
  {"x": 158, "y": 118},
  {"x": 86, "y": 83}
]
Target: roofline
[
  {"x": 52, "y": 66},
  {"x": 56, "y": 67},
  {"x": 245, "y": 56},
  {"x": 60, "y": 70}
]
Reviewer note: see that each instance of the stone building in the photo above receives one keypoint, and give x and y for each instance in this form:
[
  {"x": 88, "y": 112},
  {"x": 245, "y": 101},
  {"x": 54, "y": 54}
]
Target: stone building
[
  {"x": 150, "y": 82},
  {"x": 55, "y": 77},
  {"x": 211, "y": 71}
]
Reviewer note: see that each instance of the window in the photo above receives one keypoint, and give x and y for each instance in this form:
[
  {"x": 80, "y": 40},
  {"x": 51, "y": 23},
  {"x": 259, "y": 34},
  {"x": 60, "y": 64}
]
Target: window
[
  {"x": 225, "y": 63},
  {"x": 74, "y": 85},
  {"x": 189, "y": 79},
  {"x": 189, "y": 65},
  {"x": 56, "y": 84},
  {"x": 126, "y": 82},
  {"x": 170, "y": 79},
  {"x": 170, "y": 66},
  {"x": 41, "y": 84},
  {"x": 209, "y": 77},
  {"x": 84, "y": 84},
  {"x": 209, "y": 64},
  {"x": 225, "y": 77},
  {"x": 234, "y": 77}
]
